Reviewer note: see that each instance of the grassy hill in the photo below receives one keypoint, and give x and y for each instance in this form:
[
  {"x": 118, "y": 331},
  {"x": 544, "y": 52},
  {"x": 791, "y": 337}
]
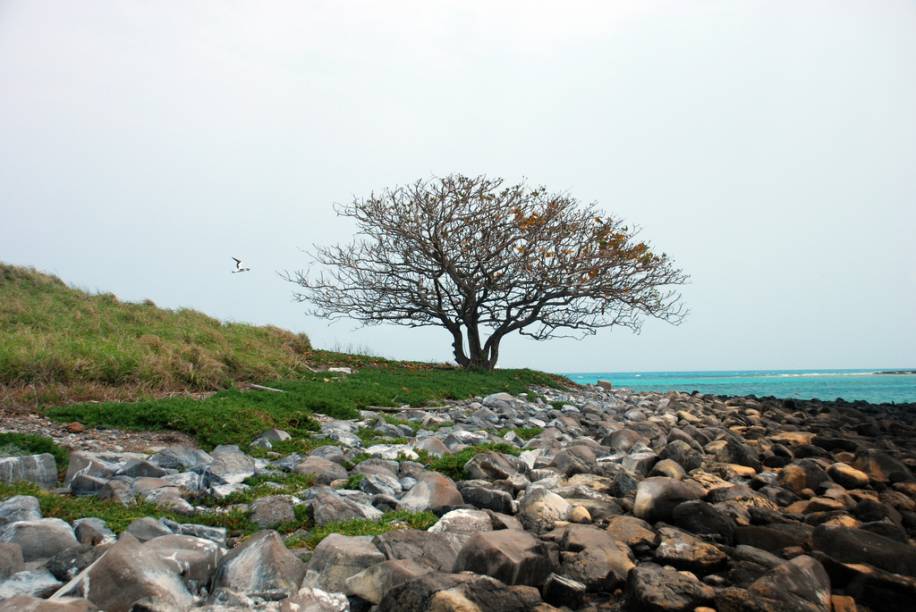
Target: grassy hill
[
  {"x": 53, "y": 336},
  {"x": 60, "y": 345}
]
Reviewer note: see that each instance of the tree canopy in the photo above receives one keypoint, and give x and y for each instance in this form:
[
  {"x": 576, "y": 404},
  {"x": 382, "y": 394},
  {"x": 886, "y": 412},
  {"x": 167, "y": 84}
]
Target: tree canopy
[{"x": 483, "y": 259}]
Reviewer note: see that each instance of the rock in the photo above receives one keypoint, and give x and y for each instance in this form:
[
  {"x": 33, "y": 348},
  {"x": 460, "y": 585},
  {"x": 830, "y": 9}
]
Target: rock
[
  {"x": 229, "y": 466},
  {"x": 309, "y": 599},
  {"x": 539, "y": 509},
  {"x": 181, "y": 458},
  {"x": 774, "y": 537},
  {"x": 40, "y": 469},
  {"x": 848, "y": 476},
  {"x": 339, "y": 557},
  {"x": 273, "y": 510},
  {"x": 260, "y": 566},
  {"x": 486, "y": 497},
  {"x": 126, "y": 574},
  {"x": 881, "y": 467},
  {"x": 738, "y": 453},
  {"x": 683, "y": 454},
  {"x": 657, "y": 497},
  {"x": 687, "y": 552},
  {"x": 850, "y": 545},
  {"x": 19, "y": 508},
  {"x": 564, "y": 591},
  {"x": 668, "y": 468},
  {"x": 579, "y": 514},
  {"x": 136, "y": 468},
  {"x": 68, "y": 563},
  {"x": 490, "y": 466},
  {"x": 702, "y": 518},
  {"x": 798, "y": 585},
  {"x": 634, "y": 532},
  {"x": 324, "y": 471},
  {"x": 11, "y": 560},
  {"x": 26, "y": 603},
  {"x": 193, "y": 559},
  {"x": 214, "y": 534},
  {"x": 332, "y": 508},
  {"x": 433, "y": 446},
  {"x": 434, "y": 492},
  {"x": 373, "y": 582},
  {"x": 93, "y": 531},
  {"x": 439, "y": 592},
  {"x": 593, "y": 557},
  {"x": 33, "y": 583},
  {"x": 434, "y": 550},
  {"x": 147, "y": 528},
  {"x": 39, "y": 538},
  {"x": 381, "y": 484},
  {"x": 463, "y": 521},
  {"x": 653, "y": 588},
  {"x": 514, "y": 557}
]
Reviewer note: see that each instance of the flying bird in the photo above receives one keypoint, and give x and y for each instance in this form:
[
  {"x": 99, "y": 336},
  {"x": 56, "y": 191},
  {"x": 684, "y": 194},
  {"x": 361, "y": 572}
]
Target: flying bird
[{"x": 238, "y": 266}]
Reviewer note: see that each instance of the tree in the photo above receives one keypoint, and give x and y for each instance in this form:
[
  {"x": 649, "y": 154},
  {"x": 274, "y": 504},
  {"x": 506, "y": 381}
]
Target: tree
[{"x": 483, "y": 260}]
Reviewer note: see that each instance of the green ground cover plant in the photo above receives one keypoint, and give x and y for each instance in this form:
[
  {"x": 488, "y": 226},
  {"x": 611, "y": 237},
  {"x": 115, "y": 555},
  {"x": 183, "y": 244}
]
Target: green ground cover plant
[
  {"x": 236, "y": 417},
  {"x": 17, "y": 444}
]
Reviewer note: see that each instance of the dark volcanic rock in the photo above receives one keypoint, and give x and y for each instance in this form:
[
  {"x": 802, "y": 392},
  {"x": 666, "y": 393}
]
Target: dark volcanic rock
[
  {"x": 851, "y": 545},
  {"x": 653, "y": 588},
  {"x": 514, "y": 557},
  {"x": 458, "y": 592},
  {"x": 702, "y": 518}
]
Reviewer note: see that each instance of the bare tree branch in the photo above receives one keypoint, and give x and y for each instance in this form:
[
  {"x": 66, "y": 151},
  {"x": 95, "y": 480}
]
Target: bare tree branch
[{"x": 479, "y": 257}]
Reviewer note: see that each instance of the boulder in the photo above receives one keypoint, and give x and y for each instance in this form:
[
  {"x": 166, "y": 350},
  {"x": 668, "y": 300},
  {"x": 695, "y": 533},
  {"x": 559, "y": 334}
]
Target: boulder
[
  {"x": 514, "y": 557},
  {"x": 26, "y": 603},
  {"x": 39, "y": 538},
  {"x": 93, "y": 531},
  {"x": 848, "y": 476},
  {"x": 564, "y": 591},
  {"x": 481, "y": 496},
  {"x": 687, "y": 552},
  {"x": 373, "y": 582},
  {"x": 850, "y": 545},
  {"x": 147, "y": 528},
  {"x": 39, "y": 469},
  {"x": 539, "y": 509},
  {"x": 229, "y": 466},
  {"x": 491, "y": 466},
  {"x": 309, "y": 599},
  {"x": 11, "y": 560},
  {"x": 324, "y": 470},
  {"x": 434, "y": 550},
  {"x": 634, "y": 532},
  {"x": 434, "y": 492},
  {"x": 68, "y": 563},
  {"x": 126, "y": 574},
  {"x": 654, "y": 588},
  {"x": 799, "y": 585},
  {"x": 339, "y": 557},
  {"x": 440, "y": 592},
  {"x": 181, "y": 458},
  {"x": 33, "y": 583},
  {"x": 593, "y": 557},
  {"x": 463, "y": 521},
  {"x": 331, "y": 508},
  {"x": 702, "y": 518},
  {"x": 260, "y": 566},
  {"x": 272, "y": 510},
  {"x": 194, "y": 560},
  {"x": 656, "y": 497},
  {"x": 19, "y": 508},
  {"x": 881, "y": 467}
]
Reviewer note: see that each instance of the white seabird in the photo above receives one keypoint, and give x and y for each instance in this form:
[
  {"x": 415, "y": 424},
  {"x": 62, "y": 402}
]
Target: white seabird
[{"x": 238, "y": 266}]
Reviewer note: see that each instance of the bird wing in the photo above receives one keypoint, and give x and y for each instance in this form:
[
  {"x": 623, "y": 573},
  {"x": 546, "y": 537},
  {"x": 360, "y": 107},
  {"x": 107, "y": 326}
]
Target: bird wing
[{"x": 238, "y": 262}]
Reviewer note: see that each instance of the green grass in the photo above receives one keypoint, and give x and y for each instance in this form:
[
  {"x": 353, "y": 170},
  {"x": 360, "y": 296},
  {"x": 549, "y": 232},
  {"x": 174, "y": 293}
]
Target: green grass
[
  {"x": 54, "y": 334},
  {"x": 290, "y": 484},
  {"x": 236, "y": 417},
  {"x": 117, "y": 515},
  {"x": 452, "y": 465},
  {"x": 364, "y": 527},
  {"x": 16, "y": 444}
]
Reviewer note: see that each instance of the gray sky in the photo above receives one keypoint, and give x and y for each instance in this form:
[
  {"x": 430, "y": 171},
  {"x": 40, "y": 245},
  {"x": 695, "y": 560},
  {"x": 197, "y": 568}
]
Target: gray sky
[{"x": 769, "y": 147}]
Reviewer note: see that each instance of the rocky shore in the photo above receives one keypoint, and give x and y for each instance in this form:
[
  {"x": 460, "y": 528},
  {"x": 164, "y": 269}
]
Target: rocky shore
[{"x": 595, "y": 499}]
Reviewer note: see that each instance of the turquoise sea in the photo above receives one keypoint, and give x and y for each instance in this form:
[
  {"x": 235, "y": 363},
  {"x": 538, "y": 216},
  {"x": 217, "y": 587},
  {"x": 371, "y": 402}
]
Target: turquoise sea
[{"x": 849, "y": 385}]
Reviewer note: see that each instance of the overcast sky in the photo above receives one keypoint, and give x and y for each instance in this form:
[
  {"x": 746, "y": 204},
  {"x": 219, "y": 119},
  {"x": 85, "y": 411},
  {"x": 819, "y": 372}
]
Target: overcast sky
[{"x": 768, "y": 147}]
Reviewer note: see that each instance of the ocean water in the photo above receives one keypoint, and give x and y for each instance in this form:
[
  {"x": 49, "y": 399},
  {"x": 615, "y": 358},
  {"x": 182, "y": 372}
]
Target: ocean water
[{"x": 850, "y": 385}]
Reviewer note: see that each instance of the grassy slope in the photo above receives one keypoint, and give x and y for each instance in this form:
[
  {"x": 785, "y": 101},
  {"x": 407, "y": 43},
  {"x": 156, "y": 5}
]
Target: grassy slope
[
  {"x": 235, "y": 417},
  {"x": 52, "y": 334}
]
